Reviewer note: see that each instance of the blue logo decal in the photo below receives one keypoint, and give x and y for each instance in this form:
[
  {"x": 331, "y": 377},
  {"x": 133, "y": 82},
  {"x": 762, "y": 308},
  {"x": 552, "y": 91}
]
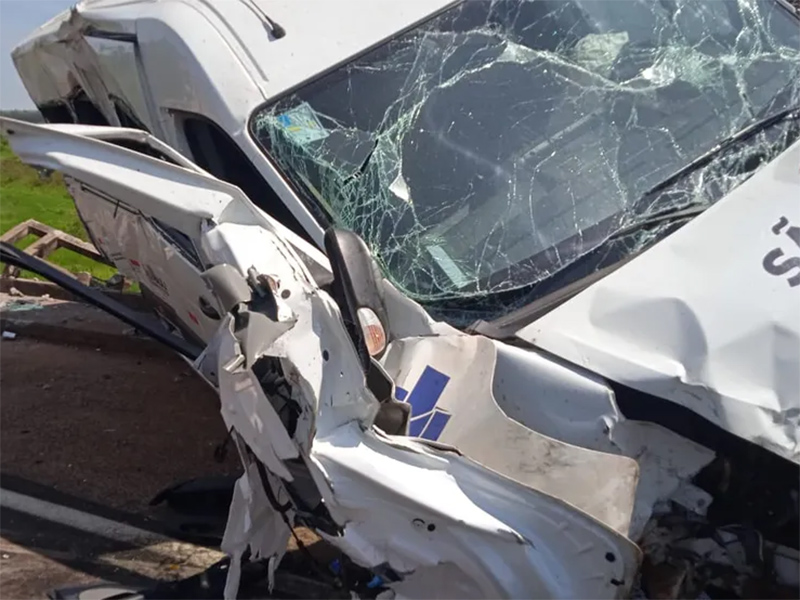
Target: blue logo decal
[{"x": 427, "y": 421}]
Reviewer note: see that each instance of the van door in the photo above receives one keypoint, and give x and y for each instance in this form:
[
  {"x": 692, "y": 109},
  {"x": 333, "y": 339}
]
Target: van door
[{"x": 146, "y": 212}]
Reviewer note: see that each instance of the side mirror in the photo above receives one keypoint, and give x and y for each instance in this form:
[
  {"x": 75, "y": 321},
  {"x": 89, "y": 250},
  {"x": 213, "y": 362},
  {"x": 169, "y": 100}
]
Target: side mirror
[{"x": 357, "y": 290}]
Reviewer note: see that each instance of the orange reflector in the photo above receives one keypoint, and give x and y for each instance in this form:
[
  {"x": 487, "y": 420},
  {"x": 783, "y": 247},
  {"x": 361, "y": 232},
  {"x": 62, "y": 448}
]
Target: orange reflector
[{"x": 371, "y": 327}]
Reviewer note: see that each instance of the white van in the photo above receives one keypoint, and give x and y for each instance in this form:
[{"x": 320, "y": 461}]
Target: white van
[{"x": 603, "y": 196}]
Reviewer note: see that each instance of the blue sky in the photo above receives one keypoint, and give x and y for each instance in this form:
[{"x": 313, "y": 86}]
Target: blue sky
[{"x": 17, "y": 19}]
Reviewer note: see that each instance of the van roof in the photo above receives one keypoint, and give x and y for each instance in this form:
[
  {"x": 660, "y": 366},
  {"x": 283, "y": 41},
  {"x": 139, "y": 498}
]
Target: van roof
[{"x": 319, "y": 33}]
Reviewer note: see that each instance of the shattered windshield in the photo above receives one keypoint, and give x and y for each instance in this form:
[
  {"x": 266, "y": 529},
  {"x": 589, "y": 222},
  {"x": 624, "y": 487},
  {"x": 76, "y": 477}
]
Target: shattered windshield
[{"x": 492, "y": 150}]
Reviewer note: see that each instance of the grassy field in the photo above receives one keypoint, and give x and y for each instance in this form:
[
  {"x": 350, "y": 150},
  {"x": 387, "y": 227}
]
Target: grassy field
[{"x": 25, "y": 195}]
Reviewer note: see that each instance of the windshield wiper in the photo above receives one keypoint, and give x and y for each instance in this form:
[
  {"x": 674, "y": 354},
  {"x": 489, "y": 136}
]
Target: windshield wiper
[
  {"x": 687, "y": 211},
  {"x": 506, "y": 326},
  {"x": 675, "y": 214},
  {"x": 739, "y": 136}
]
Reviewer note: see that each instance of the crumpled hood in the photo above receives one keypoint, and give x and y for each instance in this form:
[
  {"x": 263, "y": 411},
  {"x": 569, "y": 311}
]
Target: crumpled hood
[{"x": 708, "y": 318}]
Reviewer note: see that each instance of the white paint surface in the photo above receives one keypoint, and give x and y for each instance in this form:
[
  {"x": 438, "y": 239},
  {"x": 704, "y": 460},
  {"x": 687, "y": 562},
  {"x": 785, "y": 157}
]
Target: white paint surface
[{"x": 698, "y": 320}]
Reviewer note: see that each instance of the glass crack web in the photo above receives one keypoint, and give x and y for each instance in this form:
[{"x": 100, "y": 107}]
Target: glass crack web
[{"x": 489, "y": 156}]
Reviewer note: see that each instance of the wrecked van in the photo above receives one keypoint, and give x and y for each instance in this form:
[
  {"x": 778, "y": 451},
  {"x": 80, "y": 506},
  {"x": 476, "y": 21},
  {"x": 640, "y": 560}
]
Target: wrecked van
[{"x": 499, "y": 298}]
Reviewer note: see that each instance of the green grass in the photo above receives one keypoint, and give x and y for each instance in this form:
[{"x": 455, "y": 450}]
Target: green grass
[{"x": 25, "y": 195}]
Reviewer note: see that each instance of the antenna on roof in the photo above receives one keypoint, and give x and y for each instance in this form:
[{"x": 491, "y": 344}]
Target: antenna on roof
[{"x": 277, "y": 31}]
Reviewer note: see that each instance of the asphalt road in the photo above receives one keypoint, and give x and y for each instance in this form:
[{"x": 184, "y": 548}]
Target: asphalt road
[
  {"x": 39, "y": 555},
  {"x": 93, "y": 424},
  {"x": 100, "y": 433}
]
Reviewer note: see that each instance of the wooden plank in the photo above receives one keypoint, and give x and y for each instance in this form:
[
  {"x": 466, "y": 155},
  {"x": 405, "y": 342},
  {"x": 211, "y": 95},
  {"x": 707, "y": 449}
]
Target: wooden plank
[
  {"x": 18, "y": 232},
  {"x": 10, "y": 271},
  {"x": 70, "y": 242},
  {"x": 50, "y": 240},
  {"x": 43, "y": 246},
  {"x": 40, "y": 228}
]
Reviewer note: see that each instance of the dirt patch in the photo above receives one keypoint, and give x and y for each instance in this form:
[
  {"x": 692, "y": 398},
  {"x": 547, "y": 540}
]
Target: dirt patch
[
  {"x": 114, "y": 428},
  {"x": 28, "y": 574}
]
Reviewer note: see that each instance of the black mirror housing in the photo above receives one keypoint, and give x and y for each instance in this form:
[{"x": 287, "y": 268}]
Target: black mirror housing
[{"x": 356, "y": 284}]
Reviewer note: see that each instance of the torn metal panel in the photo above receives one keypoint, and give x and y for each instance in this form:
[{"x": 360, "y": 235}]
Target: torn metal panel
[
  {"x": 136, "y": 211},
  {"x": 708, "y": 317},
  {"x": 448, "y": 382},
  {"x": 327, "y": 384},
  {"x": 418, "y": 509},
  {"x": 406, "y": 506},
  {"x": 245, "y": 407},
  {"x": 399, "y": 503},
  {"x": 60, "y": 63},
  {"x": 250, "y": 506},
  {"x": 561, "y": 429}
]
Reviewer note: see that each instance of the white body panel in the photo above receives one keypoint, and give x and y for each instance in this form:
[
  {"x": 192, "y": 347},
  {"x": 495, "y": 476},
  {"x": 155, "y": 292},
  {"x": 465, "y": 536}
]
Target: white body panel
[
  {"x": 447, "y": 525},
  {"x": 600, "y": 484},
  {"x": 191, "y": 57},
  {"x": 707, "y": 318},
  {"x": 344, "y": 29},
  {"x": 561, "y": 431}
]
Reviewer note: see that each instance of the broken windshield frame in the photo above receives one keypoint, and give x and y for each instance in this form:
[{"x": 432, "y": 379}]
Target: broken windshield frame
[{"x": 487, "y": 154}]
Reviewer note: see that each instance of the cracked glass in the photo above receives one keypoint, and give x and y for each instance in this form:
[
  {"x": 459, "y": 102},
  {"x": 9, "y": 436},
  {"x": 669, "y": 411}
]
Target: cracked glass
[{"x": 503, "y": 150}]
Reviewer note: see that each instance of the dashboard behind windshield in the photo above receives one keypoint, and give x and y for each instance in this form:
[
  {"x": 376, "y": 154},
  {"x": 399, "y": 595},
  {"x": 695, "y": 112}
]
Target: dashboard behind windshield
[{"x": 500, "y": 143}]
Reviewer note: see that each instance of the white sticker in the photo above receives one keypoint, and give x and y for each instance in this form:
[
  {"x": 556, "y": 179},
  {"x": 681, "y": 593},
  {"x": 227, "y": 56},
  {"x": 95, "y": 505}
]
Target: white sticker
[
  {"x": 301, "y": 124},
  {"x": 448, "y": 265}
]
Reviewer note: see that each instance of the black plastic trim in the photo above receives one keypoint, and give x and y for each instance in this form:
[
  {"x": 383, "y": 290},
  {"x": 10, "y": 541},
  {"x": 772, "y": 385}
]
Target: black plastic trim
[{"x": 13, "y": 256}]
